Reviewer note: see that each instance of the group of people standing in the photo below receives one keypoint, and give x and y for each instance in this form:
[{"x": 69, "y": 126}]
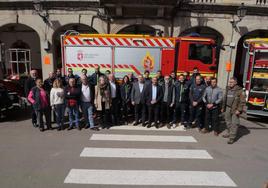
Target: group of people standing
[{"x": 187, "y": 101}]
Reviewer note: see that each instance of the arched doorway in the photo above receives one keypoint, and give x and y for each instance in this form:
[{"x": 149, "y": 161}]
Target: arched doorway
[
  {"x": 21, "y": 46},
  {"x": 138, "y": 29},
  {"x": 207, "y": 32},
  {"x": 81, "y": 28},
  {"x": 241, "y": 53}
]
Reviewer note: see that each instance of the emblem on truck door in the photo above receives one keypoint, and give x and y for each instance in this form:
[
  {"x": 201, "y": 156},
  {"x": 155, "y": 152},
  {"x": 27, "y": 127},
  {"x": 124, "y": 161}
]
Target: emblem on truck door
[
  {"x": 148, "y": 62},
  {"x": 80, "y": 55}
]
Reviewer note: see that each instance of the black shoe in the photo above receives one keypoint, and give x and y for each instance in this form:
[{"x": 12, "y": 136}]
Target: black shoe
[
  {"x": 59, "y": 129},
  {"x": 42, "y": 129},
  {"x": 231, "y": 141},
  {"x": 135, "y": 124},
  {"x": 169, "y": 126},
  {"x": 86, "y": 127},
  {"x": 149, "y": 126},
  {"x": 49, "y": 128},
  {"x": 94, "y": 129},
  {"x": 144, "y": 125},
  {"x": 226, "y": 136},
  {"x": 70, "y": 128},
  {"x": 79, "y": 128},
  {"x": 156, "y": 126}
]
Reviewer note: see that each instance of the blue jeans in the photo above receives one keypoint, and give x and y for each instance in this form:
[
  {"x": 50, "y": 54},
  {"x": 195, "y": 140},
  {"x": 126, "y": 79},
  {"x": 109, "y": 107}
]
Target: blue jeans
[
  {"x": 87, "y": 109},
  {"x": 73, "y": 111},
  {"x": 60, "y": 109}
]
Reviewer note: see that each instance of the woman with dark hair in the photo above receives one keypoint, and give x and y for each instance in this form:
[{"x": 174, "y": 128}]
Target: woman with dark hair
[
  {"x": 126, "y": 96},
  {"x": 103, "y": 100}
]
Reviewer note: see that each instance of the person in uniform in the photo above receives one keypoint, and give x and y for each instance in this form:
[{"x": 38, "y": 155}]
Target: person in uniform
[{"x": 233, "y": 105}]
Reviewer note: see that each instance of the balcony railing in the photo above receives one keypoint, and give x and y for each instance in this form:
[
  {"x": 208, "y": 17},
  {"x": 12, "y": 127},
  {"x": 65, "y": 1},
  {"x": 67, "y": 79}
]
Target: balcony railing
[{"x": 232, "y": 2}]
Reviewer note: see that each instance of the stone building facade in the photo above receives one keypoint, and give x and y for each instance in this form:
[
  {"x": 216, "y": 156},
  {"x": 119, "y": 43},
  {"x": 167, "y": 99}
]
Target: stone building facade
[{"x": 38, "y": 24}]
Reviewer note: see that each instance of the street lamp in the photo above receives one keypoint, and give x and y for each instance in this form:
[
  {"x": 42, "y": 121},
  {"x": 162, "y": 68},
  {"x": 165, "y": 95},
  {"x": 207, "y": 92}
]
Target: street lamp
[{"x": 241, "y": 11}]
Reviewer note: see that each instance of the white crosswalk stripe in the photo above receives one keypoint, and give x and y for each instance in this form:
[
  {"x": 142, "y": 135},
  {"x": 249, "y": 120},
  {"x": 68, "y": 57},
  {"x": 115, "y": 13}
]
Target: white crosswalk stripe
[
  {"x": 146, "y": 177},
  {"x": 146, "y": 153},
  {"x": 144, "y": 138},
  {"x": 180, "y": 128}
]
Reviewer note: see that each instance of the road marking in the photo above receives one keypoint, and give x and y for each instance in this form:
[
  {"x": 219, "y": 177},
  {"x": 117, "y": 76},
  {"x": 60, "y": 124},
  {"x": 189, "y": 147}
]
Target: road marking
[
  {"x": 146, "y": 153},
  {"x": 145, "y": 138},
  {"x": 180, "y": 128},
  {"x": 148, "y": 177}
]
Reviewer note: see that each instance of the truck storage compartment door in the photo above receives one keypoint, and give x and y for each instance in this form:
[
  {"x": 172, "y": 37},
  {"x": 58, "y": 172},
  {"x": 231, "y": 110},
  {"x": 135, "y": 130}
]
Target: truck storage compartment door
[
  {"x": 78, "y": 58},
  {"x": 136, "y": 61},
  {"x": 167, "y": 61}
]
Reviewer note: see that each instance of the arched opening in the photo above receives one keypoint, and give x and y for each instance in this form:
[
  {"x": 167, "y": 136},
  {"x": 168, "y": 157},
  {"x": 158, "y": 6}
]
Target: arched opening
[
  {"x": 21, "y": 49},
  {"x": 207, "y": 32},
  {"x": 81, "y": 28},
  {"x": 241, "y": 52},
  {"x": 138, "y": 29}
]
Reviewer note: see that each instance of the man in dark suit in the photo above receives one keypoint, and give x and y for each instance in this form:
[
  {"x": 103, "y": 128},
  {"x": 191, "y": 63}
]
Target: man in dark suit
[
  {"x": 29, "y": 84},
  {"x": 167, "y": 102},
  {"x": 147, "y": 78},
  {"x": 153, "y": 95},
  {"x": 116, "y": 99},
  {"x": 137, "y": 100}
]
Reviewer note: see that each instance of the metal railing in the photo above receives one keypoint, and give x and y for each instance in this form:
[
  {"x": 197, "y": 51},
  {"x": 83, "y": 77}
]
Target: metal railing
[{"x": 235, "y": 2}]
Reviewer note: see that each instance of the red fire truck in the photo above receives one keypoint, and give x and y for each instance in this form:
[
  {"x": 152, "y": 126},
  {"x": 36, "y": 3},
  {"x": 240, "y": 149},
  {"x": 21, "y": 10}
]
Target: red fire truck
[
  {"x": 124, "y": 54},
  {"x": 256, "y": 76}
]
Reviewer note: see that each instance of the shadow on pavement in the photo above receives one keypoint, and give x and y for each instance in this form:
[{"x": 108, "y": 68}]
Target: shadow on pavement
[
  {"x": 258, "y": 120},
  {"x": 242, "y": 131}
]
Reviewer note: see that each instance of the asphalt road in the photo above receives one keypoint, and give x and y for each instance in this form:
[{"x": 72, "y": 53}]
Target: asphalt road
[{"x": 31, "y": 159}]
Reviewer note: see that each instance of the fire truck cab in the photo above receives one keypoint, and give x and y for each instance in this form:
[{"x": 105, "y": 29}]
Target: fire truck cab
[
  {"x": 256, "y": 76},
  {"x": 124, "y": 54}
]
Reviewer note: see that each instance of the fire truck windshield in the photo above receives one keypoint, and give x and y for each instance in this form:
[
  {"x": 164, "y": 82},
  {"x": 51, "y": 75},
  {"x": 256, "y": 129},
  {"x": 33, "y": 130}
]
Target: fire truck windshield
[{"x": 201, "y": 52}]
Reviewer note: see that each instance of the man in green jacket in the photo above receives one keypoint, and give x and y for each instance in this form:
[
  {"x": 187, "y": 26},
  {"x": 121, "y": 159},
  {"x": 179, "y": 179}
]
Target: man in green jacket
[{"x": 233, "y": 105}]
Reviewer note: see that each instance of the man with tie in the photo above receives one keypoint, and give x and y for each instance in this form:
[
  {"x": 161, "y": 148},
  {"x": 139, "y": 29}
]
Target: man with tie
[{"x": 137, "y": 100}]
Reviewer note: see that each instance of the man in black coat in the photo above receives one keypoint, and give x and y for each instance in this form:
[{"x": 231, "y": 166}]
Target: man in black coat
[
  {"x": 116, "y": 99},
  {"x": 60, "y": 77},
  {"x": 181, "y": 101},
  {"x": 153, "y": 95},
  {"x": 48, "y": 83},
  {"x": 95, "y": 76},
  {"x": 29, "y": 84}
]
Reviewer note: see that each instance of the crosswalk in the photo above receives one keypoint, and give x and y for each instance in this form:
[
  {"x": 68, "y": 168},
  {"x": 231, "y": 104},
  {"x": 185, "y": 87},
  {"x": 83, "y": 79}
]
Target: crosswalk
[{"x": 148, "y": 177}]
